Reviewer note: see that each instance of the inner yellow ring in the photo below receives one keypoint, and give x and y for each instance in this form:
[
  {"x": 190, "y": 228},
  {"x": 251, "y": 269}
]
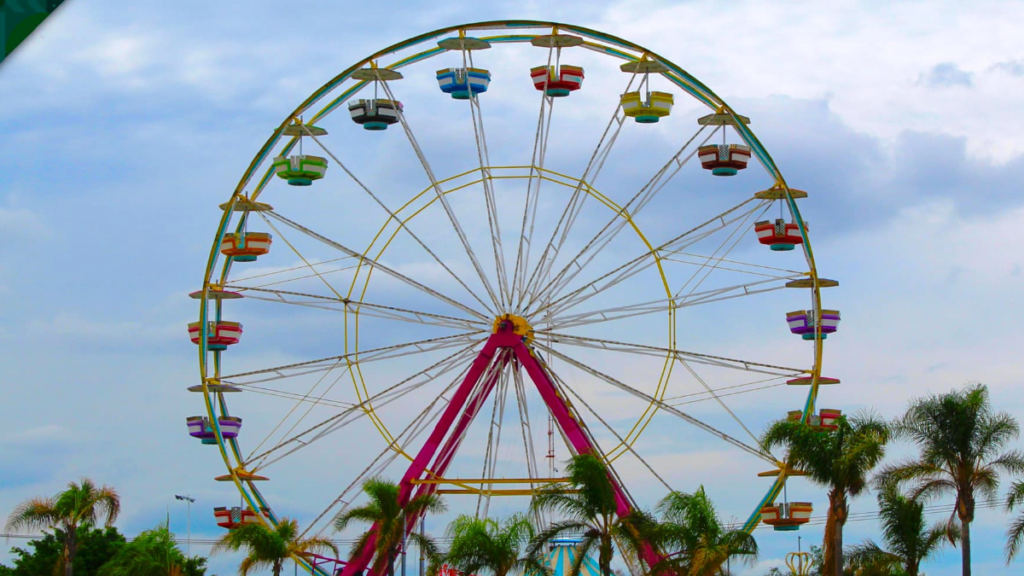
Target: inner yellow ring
[{"x": 488, "y": 173}]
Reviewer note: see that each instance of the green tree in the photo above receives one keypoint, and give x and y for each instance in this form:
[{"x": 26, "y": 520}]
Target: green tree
[
  {"x": 153, "y": 553},
  {"x": 1015, "y": 534},
  {"x": 485, "y": 546},
  {"x": 386, "y": 513},
  {"x": 692, "y": 535},
  {"x": 270, "y": 546},
  {"x": 961, "y": 442},
  {"x": 588, "y": 505},
  {"x": 839, "y": 460},
  {"x": 81, "y": 504},
  {"x": 907, "y": 537},
  {"x": 95, "y": 547}
]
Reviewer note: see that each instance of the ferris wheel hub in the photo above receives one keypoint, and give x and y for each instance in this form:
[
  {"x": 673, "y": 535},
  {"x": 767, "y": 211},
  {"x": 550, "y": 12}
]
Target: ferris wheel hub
[{"x": 514, "y": 324}]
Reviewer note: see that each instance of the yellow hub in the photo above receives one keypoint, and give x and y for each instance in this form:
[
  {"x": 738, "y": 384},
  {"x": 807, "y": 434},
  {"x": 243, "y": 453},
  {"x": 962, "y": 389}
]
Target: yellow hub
[{"x": 519, "y": 325}]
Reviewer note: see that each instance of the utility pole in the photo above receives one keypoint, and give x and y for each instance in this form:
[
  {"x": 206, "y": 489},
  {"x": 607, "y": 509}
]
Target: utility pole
[
  {"x": 423, "y": 556},
  {"x": 189, "y": 500}
]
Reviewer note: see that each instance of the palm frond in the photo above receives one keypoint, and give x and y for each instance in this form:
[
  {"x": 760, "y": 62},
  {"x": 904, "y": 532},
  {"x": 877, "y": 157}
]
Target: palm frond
[
  {"x": 33, "y": 514},
  {"x": 369, "y": 513},
  {"x": 556, "y": 529},
  {"x": 1014, "y": 538}
]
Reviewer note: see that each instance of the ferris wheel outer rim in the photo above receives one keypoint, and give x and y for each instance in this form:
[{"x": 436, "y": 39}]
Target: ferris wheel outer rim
[{"x": 746, "y": 134}]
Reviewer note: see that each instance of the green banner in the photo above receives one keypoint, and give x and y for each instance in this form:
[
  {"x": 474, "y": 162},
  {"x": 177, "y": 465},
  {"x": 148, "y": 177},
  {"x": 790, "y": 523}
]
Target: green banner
[{"x": 19, "y": 18}]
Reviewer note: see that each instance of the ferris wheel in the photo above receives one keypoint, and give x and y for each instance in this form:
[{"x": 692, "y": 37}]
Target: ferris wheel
[{"x": 491, "y": 264}]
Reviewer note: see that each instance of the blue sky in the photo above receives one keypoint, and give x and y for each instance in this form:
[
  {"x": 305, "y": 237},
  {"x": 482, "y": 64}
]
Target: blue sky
[{"x": 125, "y": 125}]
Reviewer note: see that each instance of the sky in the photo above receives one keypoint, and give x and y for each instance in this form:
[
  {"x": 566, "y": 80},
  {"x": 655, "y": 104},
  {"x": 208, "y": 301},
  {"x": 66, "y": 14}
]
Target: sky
[{"x": 126, "y": 124}]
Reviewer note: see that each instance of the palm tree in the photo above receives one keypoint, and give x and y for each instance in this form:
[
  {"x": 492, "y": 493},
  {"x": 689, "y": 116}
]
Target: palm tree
[
  {"x": 484, "y": 545},
  {"x": 151, "y": 553},
  {"x": 81, "y": 504},
  {"x": 693, "y": 534},
  {"x": 386, "y": 513},
  {"x": 839, "y": 460},
  {"x": 1015, "y": 534},
  {"x": 960, "y": 439},
  {"x": 587, "y": 502},
  {"x": 270, "y": 546},
  {"x": 908, "y": 539}
]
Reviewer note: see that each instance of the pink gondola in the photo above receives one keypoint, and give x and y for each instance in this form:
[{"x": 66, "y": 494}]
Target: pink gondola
[
  {"x": 825, "y": 419},
  {"x": 236, "y": 516},
  {"x": 724, "y": 159},
  {"x": 779, "y": 235},
  {"x": 829, "y": 418},
  {"x": 557, "y": 83},
  {"x": 219, "y": 335}
]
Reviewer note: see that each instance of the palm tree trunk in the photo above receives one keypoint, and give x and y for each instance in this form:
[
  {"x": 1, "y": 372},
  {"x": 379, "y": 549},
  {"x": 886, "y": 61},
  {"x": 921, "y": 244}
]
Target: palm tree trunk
[
  {"x": 70, "y": 545},
  {"x": 965, "y": 545},
  {"x": 277, "y": 567},
  {"x": 833, "y": 542},
  {"x": 605, "y": 559},
  {"x": 828, "y": 562},
  {"x": 839, "y": 546}
]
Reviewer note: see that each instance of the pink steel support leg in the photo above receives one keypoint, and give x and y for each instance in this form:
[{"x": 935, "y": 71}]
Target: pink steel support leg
[
  {"x": 501, "y": 340},
  {"x": 444, "y": 458},
  {"x": 576, "y": 434},
  {"x": 462, "y": 403}
]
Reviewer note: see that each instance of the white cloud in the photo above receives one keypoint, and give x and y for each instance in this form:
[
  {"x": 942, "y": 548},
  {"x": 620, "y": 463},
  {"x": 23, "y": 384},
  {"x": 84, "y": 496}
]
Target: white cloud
[
  {"x": 21, "y": 222},
  {"x": 45, "y": 433},
  {"x": 75, "y": 326},
  {"x": 866, "y": 62}
]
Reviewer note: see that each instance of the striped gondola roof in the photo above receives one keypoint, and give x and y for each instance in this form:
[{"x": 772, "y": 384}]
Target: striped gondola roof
[{"x": 561, "y": 555}]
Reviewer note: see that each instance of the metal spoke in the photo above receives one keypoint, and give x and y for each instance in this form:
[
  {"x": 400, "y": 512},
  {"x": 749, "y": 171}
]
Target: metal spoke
[
  {"x": 527, "y": 433},
  {"x": 293, "y": 269},
  {"x": 646, "y": 260},
  {"x": 483, "y": 155},
  {"x": 444, "y": 201},
  {"x": 722, "y": 404},
  {"x": 791, "y": 273},
  {"x": 377, "y": 265},
  {"x": 305, "y": 261},
  {"x": 493, "y": 433},
  {"x": 715, "y": 253},
  {"x": 358, "y": 357},
  {"x": 659, "y": 352},
  {"x": 624, "y": 217},
  {"x": 298, "y": 397},
  {"x": 540, "y": 148},
  {"x": 362, "y": 308},
  {"x": 723, "y": 391},
  {"x": 661, "y": 405},
  {"x": 661, "y": 304},
  {"x": 411, "y": 432},
  {"x": 575, "y": 202},
  {"x": 365, "y": 408},
  {"x": 392, "y": 216},
  {"x": 622, "y": 442}
]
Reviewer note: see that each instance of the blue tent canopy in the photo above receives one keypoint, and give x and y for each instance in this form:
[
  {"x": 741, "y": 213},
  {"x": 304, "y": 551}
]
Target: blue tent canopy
[{"x": 562, "y": 552}]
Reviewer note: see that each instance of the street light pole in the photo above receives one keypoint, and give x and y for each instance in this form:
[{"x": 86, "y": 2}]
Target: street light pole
[{"x": 189, "y": 500}]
